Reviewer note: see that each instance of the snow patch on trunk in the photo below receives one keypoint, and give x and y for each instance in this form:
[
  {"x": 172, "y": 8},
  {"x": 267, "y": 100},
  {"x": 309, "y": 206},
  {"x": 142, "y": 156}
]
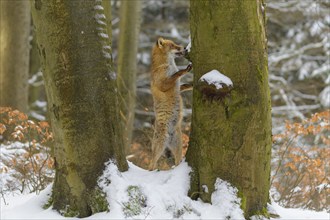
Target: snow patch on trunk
[{"x": 217, "y": 79}]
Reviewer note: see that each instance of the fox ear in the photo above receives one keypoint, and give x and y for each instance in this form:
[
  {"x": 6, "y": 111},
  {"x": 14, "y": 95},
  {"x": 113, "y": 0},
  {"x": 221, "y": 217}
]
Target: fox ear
[{"x": 160, "y": 42}]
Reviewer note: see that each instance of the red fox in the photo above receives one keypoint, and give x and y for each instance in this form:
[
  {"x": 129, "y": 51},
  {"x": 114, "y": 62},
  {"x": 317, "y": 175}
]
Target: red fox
[{"x": 165, "y": 89}]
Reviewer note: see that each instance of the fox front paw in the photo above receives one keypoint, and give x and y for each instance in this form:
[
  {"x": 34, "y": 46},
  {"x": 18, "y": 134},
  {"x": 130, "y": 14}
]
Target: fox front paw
[{"x": 189, "y": 67}]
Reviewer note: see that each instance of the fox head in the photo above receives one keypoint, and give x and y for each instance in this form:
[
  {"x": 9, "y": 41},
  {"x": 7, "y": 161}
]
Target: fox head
[{"x": 170, "y": 48}]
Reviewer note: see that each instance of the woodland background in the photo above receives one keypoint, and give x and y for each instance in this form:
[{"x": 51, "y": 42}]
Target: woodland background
[{"x": 299, "y": 78}]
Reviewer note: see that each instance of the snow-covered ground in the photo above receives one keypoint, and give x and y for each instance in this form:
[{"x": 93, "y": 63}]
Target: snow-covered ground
[{"x": 141, "y": 194}]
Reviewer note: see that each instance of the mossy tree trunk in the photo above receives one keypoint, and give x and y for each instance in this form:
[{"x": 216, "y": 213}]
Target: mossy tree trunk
[
  {"x": 231, "y": 132},
  {"x": 14, "y": 53},
  {"x": 129, "y": 26},
  {"x": 80, "y": 84}
]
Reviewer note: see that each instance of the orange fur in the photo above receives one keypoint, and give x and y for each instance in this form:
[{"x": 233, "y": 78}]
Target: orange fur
[{"x": 165, "y": 88}]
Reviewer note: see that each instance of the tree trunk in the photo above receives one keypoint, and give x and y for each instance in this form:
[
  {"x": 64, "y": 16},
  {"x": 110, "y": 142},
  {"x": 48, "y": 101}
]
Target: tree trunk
[
  {"x": 231, "y": 131},
  {"x": 35, "y": 89},
  {"x": 14, "y": 49},
  {"x": 81, "y": 88},
  {"x": 127, "y": 50}
]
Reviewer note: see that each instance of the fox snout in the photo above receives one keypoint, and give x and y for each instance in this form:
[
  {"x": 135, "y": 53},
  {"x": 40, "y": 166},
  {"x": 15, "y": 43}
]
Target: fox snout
[{"x": 181, "y": 52}]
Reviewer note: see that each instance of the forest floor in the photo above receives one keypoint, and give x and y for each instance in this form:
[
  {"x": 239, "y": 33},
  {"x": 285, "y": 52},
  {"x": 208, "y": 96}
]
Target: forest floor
[{"x": 142, "y": 194}]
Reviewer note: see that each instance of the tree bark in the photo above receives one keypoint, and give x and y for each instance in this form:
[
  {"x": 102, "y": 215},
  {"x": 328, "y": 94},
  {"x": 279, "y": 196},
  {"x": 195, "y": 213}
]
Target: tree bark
[
  {"x": 80, "y": 83},
  {"x": 231, "y": 131},
  {"x": 14, "y": 53},
  {"x": 129, "y": 26}
]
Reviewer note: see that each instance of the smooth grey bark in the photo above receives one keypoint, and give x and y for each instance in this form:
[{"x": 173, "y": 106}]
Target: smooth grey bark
[
  {"x": 14, "y": 53},
  {"x": 74, "y": 46},
  {"x": 231, "y": 129},
  {"x": 35, "y": 89}
]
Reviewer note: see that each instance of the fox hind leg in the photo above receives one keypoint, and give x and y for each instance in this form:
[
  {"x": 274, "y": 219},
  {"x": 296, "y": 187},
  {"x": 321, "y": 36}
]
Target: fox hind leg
[
  {"x": 158, "y": 145},
  {"x": 176, "y": 146}
]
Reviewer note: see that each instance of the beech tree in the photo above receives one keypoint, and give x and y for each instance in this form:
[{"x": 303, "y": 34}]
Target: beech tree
[
  {"x": 129, "y": 26},
  {"x": 231, "y": 129},
  {"x": 14, "y": 49},
  {"x": 74, "y": 46}
]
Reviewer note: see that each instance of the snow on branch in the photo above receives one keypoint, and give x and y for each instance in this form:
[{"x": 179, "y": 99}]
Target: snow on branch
[{"x": 275, "y": 59}]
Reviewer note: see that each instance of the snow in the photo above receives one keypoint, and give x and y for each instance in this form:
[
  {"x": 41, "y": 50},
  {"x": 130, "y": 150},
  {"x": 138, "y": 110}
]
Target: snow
[
  {"x": 107, "y": 47},
  {"x": 163, "y": 192},
  {"x": 37, "y": 116},
  {"x": 205, "y": 188},
  {"x": 188, "y": 47},
  {"x": 99, "y": 16},
  {"x": 36, "y": 79},
  {"x": 322, "y": 186},
  {"x": 325, "y": 97},
  {"x": 103, "y": 35},
  {"x": 112, "y": 75},
  {"x": 225, "y": 198},
  {"x": 98, "y": 7},
  {"x": 106, "y": 54},
  {"x": 217, "y": 79},
  {"x": 144, "y": 57},
  {"x": 100, "y": 22},
  {"x": 287, "y": 213},
  {"x": 40, "y": 104},
  {"x": 29, "y": 206},
  {"x": 174, "y": 32}
]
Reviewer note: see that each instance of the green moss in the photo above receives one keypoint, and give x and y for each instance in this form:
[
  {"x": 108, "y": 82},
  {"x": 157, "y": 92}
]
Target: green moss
[
  {"x": 69, "y": 212},
  {"x": 261, "y": 214},
  {"x": 243, "y": 200},
  {"x": 178, "y": 212},
  {"x": 136, "y": 202},
  {"x": 98, "y": 201},
  {"x": 49, "y": 202},
  {"x": 260, "y": 75}
]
